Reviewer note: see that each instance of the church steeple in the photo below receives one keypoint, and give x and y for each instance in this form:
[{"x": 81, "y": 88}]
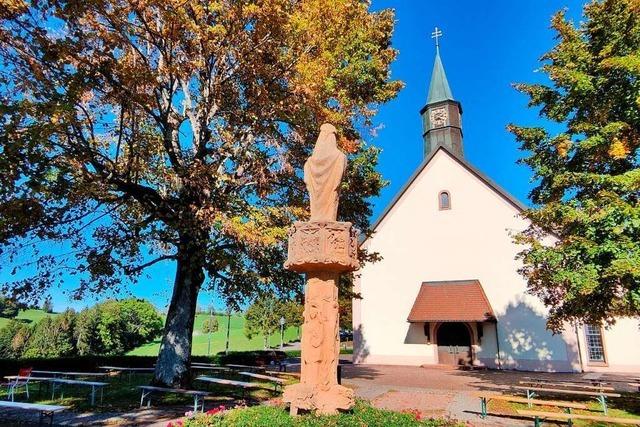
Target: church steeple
[{"x": 442, "y": 115}]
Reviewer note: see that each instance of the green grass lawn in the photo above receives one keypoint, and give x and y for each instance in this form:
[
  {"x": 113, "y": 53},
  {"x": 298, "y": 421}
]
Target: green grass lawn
[
  {"x": 30, "y": 316},
  {"x": 122, "y": 394},
  {"x": 237, "y": 340}
]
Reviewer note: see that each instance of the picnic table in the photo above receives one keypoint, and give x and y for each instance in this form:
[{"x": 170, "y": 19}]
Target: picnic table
[
  {"x": 600, "y": 395},
  {"x": 485, "y": 398},
  {"x": 59, "y": 382},
  {"x": 241, "y": 367},
  {"x": 46, "y": 411},
  {"x": 209, "y": 367},
  {"x": 71, "y": 374},
  {"x": 538, "y": 416},
  {"x": 242, "y": 384},
  {"x": 198, "y": 396},
  {"x": 126, "y": 369},
  {"x": 130, "y": 371},
  {"x": 277, "y": 381}
]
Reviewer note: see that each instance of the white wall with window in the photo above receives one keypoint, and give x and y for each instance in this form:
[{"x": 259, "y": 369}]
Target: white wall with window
[{"x": 613, "y": 348}]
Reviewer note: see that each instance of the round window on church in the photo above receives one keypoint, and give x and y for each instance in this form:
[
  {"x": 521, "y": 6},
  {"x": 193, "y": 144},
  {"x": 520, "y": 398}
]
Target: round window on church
[{"x": 444, "y": 200}]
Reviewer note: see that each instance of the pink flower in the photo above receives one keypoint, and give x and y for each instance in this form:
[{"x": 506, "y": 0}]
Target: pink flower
[
  {"x": 216, "y": 410},
  {"x": 188, "y": 414}
]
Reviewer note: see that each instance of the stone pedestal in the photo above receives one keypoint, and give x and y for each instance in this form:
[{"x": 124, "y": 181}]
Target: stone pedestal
[{"x": 321, "y": 250}]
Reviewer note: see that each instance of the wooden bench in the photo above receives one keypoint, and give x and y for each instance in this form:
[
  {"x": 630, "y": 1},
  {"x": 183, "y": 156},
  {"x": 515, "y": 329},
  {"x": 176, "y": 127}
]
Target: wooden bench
[
  {"x": 244, "y": 367},
  {"x": 46, "y": 411},
  {"x": 600, "y": 396},
  {"x": 242, "y": 384},
  {"x": 278, "y": 382},
  {"x": 198, "y": 396},
  {"x": 484, "y": 399},
  {"x": 538, "y": 416},
  {"x": 539, "y": 383},
  {"x": 286, "y": 374}
]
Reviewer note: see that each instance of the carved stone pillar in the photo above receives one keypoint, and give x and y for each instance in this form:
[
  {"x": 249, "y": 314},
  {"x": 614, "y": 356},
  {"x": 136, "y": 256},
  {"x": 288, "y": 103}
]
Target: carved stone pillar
[{"x": 321, "y": 250}]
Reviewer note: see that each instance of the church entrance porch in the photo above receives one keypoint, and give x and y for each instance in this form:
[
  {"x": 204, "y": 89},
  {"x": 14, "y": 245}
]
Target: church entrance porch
[{"x": 454, "y": 340}]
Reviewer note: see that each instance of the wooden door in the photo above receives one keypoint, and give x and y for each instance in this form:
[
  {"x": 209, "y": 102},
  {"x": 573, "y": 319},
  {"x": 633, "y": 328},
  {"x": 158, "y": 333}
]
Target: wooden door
[{"x": 454, "y": 344}]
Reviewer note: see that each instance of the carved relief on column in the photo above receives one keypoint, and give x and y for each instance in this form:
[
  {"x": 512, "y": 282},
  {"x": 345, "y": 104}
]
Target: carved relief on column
[{"x": 322, "y": 246}]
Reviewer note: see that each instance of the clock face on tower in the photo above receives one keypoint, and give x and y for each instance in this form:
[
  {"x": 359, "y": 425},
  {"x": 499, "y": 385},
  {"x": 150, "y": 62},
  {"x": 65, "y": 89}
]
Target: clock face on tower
[{"x": 438, "y": 117}]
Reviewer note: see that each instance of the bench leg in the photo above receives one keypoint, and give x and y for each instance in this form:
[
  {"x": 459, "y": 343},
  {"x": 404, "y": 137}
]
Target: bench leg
[
  {"x": 537, "y": 422},
  {"x": 145, "y": 395},
  {"x": 603, "y": 403},
  {"x": 530, "y": 395},
  {"x": 483, "y": 407},
  {"x": 45, "y": 414},
  {"x": 93, "y": 395},
  {"x": 569, "y": 421}
]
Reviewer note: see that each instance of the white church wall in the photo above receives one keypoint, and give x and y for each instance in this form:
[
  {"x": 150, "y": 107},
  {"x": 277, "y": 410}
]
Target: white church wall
[
  {"x": 622, "y": 347},
  {"x": 418, "y": 243}
]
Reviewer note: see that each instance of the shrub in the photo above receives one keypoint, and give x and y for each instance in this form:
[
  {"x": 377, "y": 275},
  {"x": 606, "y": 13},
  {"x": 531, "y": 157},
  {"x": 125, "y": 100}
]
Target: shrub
[
  {"x": 115, "y": 327},
  {"x": 8, "y": 308},
  {"x": 210, "y": 324},
  {"x": 52, "y": 337},
  {"x": 88, "y": 340},
  {"x": 13, "y": 338},
  {"x": 362, "y": 415}
]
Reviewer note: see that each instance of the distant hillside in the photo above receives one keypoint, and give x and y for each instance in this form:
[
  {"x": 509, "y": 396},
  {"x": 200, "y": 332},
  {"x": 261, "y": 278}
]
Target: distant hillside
[
  {"x": 30, "y": 316},
  {"x": 237, "y": 340}
]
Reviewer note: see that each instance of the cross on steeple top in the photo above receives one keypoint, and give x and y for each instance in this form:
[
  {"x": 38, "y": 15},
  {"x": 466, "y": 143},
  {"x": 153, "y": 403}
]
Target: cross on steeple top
[{"x": 437, "y": 33}]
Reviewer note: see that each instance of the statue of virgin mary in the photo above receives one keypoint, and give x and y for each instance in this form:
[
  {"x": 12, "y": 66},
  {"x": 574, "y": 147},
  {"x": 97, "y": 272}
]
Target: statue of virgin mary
[{"x": 323, "y": 173}]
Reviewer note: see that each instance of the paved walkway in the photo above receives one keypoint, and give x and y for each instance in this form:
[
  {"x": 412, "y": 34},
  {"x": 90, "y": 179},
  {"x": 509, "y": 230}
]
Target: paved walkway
[{"x": 442, "y": 390}]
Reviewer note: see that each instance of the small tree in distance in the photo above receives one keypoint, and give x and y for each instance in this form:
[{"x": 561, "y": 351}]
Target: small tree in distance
[
  {"x": 263, "y": 318},
  {"x": 210, "y": 325},
  {"x": 47, "y": 305}
]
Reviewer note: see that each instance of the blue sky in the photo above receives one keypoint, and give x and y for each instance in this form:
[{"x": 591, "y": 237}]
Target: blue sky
[{"x": 487, "y": 46}]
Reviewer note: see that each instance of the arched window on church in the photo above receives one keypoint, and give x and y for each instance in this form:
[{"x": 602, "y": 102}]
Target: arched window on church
[{"x": 444, "y": 200}]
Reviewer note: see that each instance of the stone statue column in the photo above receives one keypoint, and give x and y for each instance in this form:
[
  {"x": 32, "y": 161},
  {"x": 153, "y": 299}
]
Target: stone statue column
[{"x": 322, "y": 248}]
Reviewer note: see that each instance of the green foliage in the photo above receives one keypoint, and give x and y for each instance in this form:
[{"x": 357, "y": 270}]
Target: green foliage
[
  {"x": 8, "y": 308},
  {"x": 47, "y": 305},
  {"x": 583, "y": 255},
  {"x": 112, "y": 327},
  {"x": 263, "y": 317},
  {"x": 52, "y": 337},
  {"x": 363, "y": 415},
  {"x": 13, "y": 338},
  {"x": 121, "y": 326},
  {"x": 210, "y": 325},
  {"x": 292, "y": 311}
]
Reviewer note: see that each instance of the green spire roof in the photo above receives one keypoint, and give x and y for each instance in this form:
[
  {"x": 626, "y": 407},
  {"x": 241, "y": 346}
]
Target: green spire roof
[{"x": 439, "y": 89}]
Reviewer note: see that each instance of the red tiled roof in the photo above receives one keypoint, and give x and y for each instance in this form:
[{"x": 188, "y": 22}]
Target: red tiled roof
[{"x": 451, "y": 301}]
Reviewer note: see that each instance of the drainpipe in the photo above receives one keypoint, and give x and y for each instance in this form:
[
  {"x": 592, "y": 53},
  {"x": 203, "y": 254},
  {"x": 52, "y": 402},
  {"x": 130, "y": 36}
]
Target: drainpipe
[
  {"x": 498, "y": 345},
  {"x": 575, "y": 328}
]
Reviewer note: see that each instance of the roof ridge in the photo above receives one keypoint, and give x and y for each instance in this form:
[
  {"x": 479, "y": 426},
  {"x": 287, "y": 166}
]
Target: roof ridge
[{"x": 480, "y": 175}]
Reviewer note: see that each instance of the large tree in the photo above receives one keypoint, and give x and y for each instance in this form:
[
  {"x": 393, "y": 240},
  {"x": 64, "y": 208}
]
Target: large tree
[
  {"x": 587, "y": 170},
  {"x": 134, "y": 132}
]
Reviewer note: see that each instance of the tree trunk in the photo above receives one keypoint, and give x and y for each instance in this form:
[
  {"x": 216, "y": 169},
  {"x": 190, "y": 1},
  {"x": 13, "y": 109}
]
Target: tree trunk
[{"x": 174, "y": 358}]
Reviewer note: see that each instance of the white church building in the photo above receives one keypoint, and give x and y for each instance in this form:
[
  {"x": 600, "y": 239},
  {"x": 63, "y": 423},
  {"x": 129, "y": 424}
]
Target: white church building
[{"x": 447, "y": 290}]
